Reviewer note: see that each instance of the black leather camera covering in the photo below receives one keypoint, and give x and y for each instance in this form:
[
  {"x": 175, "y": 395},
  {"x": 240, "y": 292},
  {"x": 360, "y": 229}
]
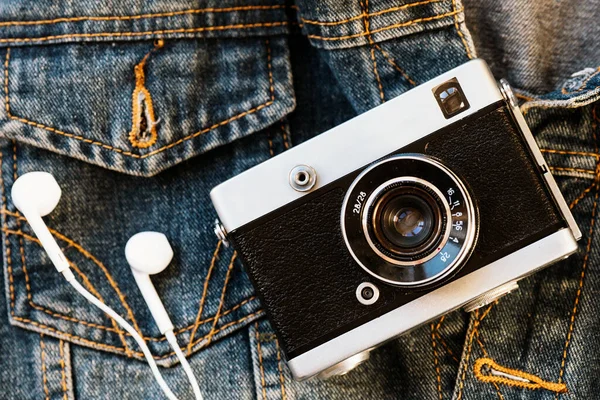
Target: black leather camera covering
[{"x": 301, "y": 267}]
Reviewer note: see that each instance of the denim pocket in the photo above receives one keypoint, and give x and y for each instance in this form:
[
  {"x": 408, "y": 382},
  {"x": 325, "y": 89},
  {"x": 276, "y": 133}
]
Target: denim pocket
[
  {"x": 152, "y": 99},
  {"x": 175, "y": 85}
]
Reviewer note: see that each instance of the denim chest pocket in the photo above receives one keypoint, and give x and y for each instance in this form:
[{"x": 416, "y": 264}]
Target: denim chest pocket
[
  {"x": 131, "y": 95},
  {"x": 141, "y": 97}
]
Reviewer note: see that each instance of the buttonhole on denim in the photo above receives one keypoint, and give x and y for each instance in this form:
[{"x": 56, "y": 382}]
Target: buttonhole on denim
[
  {"x": 143, "y": 123},
  {"x": 487, "y": 370}
]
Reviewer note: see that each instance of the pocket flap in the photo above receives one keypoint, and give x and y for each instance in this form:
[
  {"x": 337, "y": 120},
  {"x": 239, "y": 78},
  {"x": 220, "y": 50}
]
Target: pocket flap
[{"x": 141, "y": 106}]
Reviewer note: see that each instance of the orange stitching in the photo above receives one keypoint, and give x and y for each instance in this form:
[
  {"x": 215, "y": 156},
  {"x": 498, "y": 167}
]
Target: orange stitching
[
  {"x": 581, "y": 279},
  {"x": 582, "y": 170},
  {"x": 120, "y": 350},
  {"x": 445, "y": 346},
  {"x": 142, "y": 108},
  {"x": 462, "y": 36},
  {"x": 109, "y": 147},
  {"x": 569, "y": 152},
  {"x": 281, "y": 378},
  {"x": 439, "y": 324},
  {"x": 87, "y": 283},
  {"x": 435, "y": 361},
  {"x": 595, "y": 120},
  {"x": 535, "y": 382},
  {"x": 582, "y": 196},
  {"x": 391, "y": 61},
  {"x": 63, "y": 379},
  {"x": 399, "y": 25},
  {"x": 284, "y": 136},
  {"x": 147, "y": 33},
  {"x": 203, "y": 298},
  {"x": 223, "y": 291},
  {"x": 26, "y": 274},
  {"x": 367, "y": 14},
  {"x": 469, "y": 347},
  {"x": 11, "y": 287},
  {"x": 271, "y": 86},
  {"x": 442, "y": 341},
  {"x": 141, "y": 16},
  {"x": 260, "y": 362},
  {"x": 44, "y": 377},
  {"x": 485, "y": 353},
  {"x": 271, "y": 152},
  {"x": 476, "y": 324}
]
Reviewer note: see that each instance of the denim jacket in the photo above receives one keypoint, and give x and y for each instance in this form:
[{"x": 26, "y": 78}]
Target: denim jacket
[{"x": 140, "y": 108}]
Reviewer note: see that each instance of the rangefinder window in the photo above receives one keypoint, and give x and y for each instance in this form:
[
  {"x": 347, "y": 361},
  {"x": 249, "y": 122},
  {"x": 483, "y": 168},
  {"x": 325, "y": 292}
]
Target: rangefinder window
[{"x": 450, "y": 97}]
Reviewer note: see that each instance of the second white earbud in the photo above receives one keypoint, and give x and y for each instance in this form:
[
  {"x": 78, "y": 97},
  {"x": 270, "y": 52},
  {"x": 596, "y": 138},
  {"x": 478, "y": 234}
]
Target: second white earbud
[{"x": 150, "y": 253}]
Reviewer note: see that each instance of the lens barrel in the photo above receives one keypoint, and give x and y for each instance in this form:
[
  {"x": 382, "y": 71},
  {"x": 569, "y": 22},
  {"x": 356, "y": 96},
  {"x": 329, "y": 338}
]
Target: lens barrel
[{"x": 409, "y": 220}]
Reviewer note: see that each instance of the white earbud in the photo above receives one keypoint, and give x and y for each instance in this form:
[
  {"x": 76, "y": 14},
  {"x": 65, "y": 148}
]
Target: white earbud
[
  {"x": 36, "y": 194},
  {"x": 150, "y": 253}
]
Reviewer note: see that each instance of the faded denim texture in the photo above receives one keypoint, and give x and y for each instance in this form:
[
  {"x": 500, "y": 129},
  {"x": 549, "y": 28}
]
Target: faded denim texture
[{"x": 140, "y": 108}]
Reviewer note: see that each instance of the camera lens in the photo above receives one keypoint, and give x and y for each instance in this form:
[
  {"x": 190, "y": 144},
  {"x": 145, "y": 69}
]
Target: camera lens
[{"x": 407, "y": 221}]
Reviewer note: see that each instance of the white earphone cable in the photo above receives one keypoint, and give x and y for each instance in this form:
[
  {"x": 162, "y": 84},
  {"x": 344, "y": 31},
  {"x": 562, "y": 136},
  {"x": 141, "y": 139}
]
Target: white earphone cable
[
  {"x": 186, "y": 366},
  {"x": 68, "y": 274}
]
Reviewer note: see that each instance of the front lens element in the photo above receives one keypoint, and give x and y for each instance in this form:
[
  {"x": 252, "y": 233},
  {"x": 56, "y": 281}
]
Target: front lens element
[{"x": 407, "y": 221}]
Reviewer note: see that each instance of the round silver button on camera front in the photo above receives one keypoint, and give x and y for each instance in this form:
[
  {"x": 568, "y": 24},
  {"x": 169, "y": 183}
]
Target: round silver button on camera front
[
  {"x": 303, "y": 178},
  {"x": 342, "y": 368},
  {"x": 367, "y": 293}
]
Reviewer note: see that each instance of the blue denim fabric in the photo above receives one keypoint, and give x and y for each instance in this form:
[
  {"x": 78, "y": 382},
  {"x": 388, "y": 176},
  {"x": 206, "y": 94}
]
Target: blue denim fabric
[{"x": 230, "y": 84}]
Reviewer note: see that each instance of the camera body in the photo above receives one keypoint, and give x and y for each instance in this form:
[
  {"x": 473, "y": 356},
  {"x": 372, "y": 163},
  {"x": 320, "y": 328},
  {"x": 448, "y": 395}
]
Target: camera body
[{"x": 435, "y": 200}]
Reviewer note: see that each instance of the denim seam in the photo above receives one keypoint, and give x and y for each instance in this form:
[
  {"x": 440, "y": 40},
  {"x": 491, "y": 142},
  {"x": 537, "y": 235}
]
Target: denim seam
[
  {"x": 442, "y": 341},
  {"x": 386, "y": 28},
  {"x": 120, "y": 350},
  {"x": 582, "y": 195},
  {"x": 125, "y": 152},
  {"x": 260, "y": 362},
  {"x": 280, "y": 368},
  {"x": 222, "y": 300},
  {"x": 63, "y": 373},
  {"x": 366, "y": 13},
  {"x": 572, "y": 153},
  {"x": 203, "y": 298},
  {"x": 147, "y": 33},
  {"x": 89, "y": 256},
  {"x": 571, "y": 169},
  {"x": 9, "y": 232},
  {"x": 476, "y": 325},
  {"x": 284, "y": 135},
  {"x": 54, "y": 313},
  {"x": 143, "y": 16},
  {"x": 458, "y": 30},
  {"x": 583, "y": 271},
  {"x": 435, "y": 362},
  {"x": 391, "y": 61},
  {"x": 44, "y": 372}
]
